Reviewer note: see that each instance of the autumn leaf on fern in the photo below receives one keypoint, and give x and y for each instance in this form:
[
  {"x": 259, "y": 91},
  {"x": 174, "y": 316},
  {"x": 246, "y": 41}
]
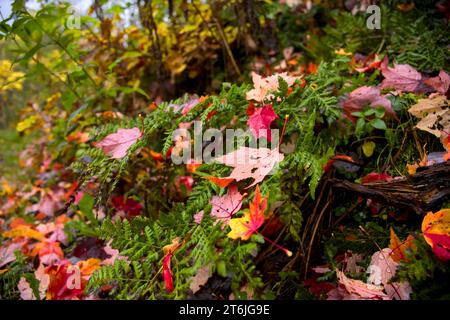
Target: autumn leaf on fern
[
  {"x": 117, "y": 144},
  {"x": 223, "y": 208},
  {"x": 252, "y": 220},
  {"x": 260, "y": 120},
  {"x": 251, "y": 163}
]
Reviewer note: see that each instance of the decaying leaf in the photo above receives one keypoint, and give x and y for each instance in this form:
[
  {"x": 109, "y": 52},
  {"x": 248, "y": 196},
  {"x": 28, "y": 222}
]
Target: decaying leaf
[
  {"x": 434, "y": 114},
  {"x": 365, "y": 96},
  {"x": 349, "y": 289},
  {"x": 200, "y": 278},
  {"x": 251, "y": 163}
]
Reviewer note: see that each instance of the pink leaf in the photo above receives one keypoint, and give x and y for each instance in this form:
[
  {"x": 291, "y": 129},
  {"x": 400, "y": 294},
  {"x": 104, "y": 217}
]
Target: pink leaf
[
  {"x": 26, "y": 293},
  {"x": 251, "y": 163},
  {"x": 198, "y": 217},
  {"x": 264, "y": 86},
  {"x": 401, "y": 77},
  {"x": 441, "y": 83},
  {"x": 114, "y": 255},
  {"x": 383, "y": 268},
  {"x": 349, "y": 289},
  {"x": 366, "y": 96},
  {"x": 259, "y": 122},
  {"x": 441, "y": 245},
  {"x": 223, "y": 208},
  {"x": 7, "y": 252},
  {"x": 117, "y": 144}
]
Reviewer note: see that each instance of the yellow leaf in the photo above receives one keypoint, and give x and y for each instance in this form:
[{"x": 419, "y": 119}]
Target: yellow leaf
[
  {"x": 368, "y": 148},
  {"x": 27, "y": 123},
  {"x": 25, "y": 232},
  {"x": 342, "y": 52},
  {"x": 436, "y": 223}
]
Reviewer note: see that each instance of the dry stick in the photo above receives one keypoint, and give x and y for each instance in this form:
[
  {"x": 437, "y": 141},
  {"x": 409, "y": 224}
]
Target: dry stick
[
  {"x": 157, "y": 43},
  {"x": 309, "y": 221},
  {"x": 418, "y": 146},
  {"x": 311, "y": 242}
]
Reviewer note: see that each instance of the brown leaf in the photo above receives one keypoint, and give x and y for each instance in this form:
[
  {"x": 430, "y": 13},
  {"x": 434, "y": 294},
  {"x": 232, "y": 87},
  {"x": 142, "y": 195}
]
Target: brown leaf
[
  {"x": 435, "y": 115},
  {"x": 200, "y": 278}
]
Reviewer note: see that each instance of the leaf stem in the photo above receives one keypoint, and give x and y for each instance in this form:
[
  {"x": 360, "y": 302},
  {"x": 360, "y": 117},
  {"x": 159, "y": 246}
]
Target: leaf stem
[{"x": 288, "y": 252}]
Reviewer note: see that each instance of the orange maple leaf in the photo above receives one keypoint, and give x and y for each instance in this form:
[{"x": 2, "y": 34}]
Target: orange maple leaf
[
  {"x": 24, "y": 231},
  {"x": 400, "y": 248},
  {"x": 249, "y": 224},
  {"x": 221, "y": 182}
]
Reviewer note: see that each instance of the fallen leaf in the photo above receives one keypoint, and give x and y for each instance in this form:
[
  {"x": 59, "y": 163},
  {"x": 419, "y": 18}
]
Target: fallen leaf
[
  {"x": 198, "y": 217},
  {"x": 48, "y": 252},
  {"x": 375, "y": 176},
  {"x": 26, "y": 293},
  {"x": 434, "y": 114},
  {"x": 365, "y": 96},
  {"x": 65, "y": 282},
  {"x": 113, "y": 255},
  {"x": 264, "y": 86},
  {"x": 317, "y": 288},
  {"x": 341, "y": 161},
  {"x": 221, "y": 182},
  {"x": 129, "y": 206},
  {"x": 251, "y": 163},
  {"x": 223, "y": 208},
  {"x": 383, "y": 268},
  {"x": 436, "y": 231},
  {"x": 260, "y": 120},
  {"x": 7, "y": 251},
  {"x": 251, "y": 221},
  {"x": 349, "y": 289},
  {"x": 401, "y": 77},
  {"x": 399, "y": 248},
  {"x": 440, "y": 83},
  {"x": 368, "y": 147},
  {"x": 200, "y": 278},
  {"x": 362, "y": 63},
  {"x": 24, "y": 232},
  {"x": 117, "y": 144}
]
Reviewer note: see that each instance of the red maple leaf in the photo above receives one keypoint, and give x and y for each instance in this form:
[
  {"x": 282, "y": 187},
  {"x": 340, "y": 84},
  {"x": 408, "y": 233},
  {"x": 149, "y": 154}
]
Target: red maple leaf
[
  {"x": 130, "y": 206},
  {"x": 260, "y": 120}
]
